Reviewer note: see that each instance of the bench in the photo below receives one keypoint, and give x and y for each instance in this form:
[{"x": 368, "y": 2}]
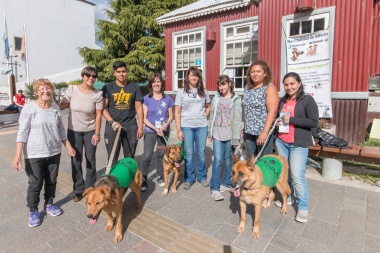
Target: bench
[{"x": 365, "y": 154}]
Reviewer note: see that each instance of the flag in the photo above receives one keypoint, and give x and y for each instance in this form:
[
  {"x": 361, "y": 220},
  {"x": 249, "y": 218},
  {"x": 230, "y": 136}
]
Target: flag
[
  {"x": 23, "y": 55},
  {"x": 5, "y": 39}
]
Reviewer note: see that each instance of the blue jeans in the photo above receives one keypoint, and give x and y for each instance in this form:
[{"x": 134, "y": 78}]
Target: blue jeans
[
  {"x": 197, "y": 136},
  {"x": 254, "y": 149},
  {"x": 222, "y": 152},
  {"x": 297, "y": 157}
]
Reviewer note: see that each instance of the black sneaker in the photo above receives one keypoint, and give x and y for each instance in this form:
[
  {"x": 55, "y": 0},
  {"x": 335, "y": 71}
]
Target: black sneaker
[{"x": 144, "y": 186}]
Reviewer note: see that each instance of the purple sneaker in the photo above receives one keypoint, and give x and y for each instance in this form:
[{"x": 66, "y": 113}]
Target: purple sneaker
[
  {"x": 34, "y": 219},
  {"x": 53, "y": 210}
]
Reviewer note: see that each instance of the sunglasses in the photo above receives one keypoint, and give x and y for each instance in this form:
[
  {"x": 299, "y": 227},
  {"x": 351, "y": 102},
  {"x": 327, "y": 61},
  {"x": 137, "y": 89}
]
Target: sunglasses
[{"x": 93, "y": 76}]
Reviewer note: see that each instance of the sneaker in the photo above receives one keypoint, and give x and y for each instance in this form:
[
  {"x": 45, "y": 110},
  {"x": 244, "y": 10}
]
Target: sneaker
[
  {"x": 144, "y": 186},
  {"x": 53, "y": 210},
  {"x": 204, "y": 183},
  {"x": 34, "y": 219},
  {"x": 223, "y": 188},
  {"x": 302, "y": 216},
  {"x": 279, "y": 203},
  {"x": 217, "y": 195},
  {"x": 186, "y": 186},
  {"x": 160, "y": 182}
]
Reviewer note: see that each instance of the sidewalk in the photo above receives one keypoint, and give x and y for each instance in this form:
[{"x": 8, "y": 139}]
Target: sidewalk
[{"x": 344, "y": 216}]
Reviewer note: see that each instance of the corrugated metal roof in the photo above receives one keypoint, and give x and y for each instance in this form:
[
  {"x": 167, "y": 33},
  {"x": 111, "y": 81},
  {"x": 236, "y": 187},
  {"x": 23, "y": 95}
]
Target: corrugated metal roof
[{"x": 200, "y": 8}]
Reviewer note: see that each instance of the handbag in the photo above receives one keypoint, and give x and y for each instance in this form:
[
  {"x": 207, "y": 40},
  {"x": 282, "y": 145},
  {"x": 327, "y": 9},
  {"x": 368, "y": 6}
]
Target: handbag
[{"x": 329, "y": 140}]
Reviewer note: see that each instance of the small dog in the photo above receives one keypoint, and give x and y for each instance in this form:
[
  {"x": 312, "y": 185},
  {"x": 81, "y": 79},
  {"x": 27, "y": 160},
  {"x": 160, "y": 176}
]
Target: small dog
[
  {"x": 107, "y": 195},
  {"x": 295, "y": 54},
  {"x": 312, "y": 50},
  {"x": 252, "y": 187},
  {"x": 171, "y": 162}
]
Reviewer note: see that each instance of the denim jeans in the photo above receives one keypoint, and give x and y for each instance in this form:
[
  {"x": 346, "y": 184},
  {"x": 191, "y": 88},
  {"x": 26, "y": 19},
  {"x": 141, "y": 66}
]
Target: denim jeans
[
  {"x": 254, "y": 149},
  {"x": 197, "y": 136},
  {"x": 150, "y": 139},
  {"x": 41, "y": 172},
  {"x": 297, "y": 157},
  {"x": 222, "y": 152},
  {"x": 80, "y": 140}
]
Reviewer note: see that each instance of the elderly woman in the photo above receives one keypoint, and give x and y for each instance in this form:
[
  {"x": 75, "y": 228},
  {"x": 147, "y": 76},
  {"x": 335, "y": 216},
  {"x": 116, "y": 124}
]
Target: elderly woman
[
  {"x": 85, "y": 118},
  {"x": 39, "y": 138}
]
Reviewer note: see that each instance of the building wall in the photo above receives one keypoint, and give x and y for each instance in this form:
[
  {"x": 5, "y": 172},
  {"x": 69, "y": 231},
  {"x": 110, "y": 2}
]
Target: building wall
[
  {"x": 355, "y": 52},
  {"x": 55, "y": 30}
]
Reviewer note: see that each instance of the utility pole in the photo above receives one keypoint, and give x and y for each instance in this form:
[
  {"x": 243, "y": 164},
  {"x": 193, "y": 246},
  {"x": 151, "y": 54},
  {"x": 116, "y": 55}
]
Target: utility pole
[{"x": 12, "y": 78}]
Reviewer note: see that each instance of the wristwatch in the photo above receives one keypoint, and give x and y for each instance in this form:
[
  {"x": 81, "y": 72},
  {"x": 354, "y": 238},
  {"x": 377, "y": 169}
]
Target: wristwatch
[{"x": 110, "y": 122}]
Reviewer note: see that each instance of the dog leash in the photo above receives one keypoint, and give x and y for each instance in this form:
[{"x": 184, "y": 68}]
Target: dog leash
[
  {"x": 266, "y": 141},
  {"x": 116, "y": 141}
]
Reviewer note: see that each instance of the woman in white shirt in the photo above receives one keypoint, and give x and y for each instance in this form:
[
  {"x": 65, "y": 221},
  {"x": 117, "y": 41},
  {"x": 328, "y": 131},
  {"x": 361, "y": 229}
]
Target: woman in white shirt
[{"x": 86, "y": 106}]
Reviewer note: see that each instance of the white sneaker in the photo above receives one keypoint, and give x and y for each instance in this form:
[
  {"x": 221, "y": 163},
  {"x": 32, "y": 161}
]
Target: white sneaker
[
  {"x": 302, "y": 216},
  {"x": 279, "y": 203},
  {"x": 223, "y": 188},
  {"x": 217, "y": 195}
]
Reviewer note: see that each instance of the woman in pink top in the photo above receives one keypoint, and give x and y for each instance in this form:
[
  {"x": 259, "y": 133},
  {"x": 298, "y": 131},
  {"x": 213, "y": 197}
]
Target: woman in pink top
[{"x": 86, "y": 106}]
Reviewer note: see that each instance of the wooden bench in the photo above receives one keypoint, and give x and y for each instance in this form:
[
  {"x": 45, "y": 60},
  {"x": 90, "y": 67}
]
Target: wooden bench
[{"x": 365, "y": 154}]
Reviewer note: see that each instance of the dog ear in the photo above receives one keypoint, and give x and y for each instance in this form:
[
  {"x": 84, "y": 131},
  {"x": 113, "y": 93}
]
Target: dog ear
[
  {"x": 235, "y": 158},
  {"x": 251, "y": 162},
  {"x": 106, "y": 191},
  {"x": 167, "y": 150},
  {"x": 90, "y": 189}
]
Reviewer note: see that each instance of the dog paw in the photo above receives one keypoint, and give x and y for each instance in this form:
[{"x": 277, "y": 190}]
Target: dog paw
[
  {"x": 165, "y": 192},
  {"x": 256, "y": 235},
  {"x": 118, "y": 238},
  {"x": 174, "y": 191},
  {"x": 108, "y": 227},
  {"x": 284, "y": 211},
  {"x": 266, "y": 205},
  {"x": 137, "y": 206},
  {"x": 240, "y": 229}
]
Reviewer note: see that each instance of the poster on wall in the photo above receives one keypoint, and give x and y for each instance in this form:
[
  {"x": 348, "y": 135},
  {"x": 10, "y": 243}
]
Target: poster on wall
[{"x": 309, "y": 56}]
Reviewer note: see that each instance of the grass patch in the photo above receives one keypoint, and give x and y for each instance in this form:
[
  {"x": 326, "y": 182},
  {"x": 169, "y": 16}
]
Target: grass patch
[{"x": 371, "y": 143}]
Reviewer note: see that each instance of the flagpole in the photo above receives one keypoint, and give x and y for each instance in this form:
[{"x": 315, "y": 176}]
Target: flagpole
[
  {"x": 6, "y": 52},
  {"x": 26, "y": 57}
]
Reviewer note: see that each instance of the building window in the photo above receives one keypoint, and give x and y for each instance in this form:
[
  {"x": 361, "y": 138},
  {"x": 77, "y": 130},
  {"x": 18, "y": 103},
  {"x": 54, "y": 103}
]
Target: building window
[
  {"x": 309, "y": 24},
  {"x": 18, "y": 43},
  {"x": 240, "y": 47},
  {"x": 188, "y": 51}
]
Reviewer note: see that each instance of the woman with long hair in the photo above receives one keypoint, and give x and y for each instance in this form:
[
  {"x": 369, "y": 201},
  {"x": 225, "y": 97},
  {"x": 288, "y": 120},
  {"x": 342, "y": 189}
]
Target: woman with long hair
[
  {"x": 158, "y": 114},
  {"x": 192, "y": 108}
]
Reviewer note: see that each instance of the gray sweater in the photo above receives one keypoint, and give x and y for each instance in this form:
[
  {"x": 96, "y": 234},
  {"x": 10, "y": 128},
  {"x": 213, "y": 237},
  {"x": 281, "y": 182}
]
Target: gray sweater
[
  {"x": 41, "y": 130},
  {"x": 236, "y": 115}
]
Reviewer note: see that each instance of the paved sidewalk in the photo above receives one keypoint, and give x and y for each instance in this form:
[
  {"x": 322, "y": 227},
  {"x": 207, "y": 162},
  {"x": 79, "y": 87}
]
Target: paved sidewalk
[{"x": 344, "y": 217}]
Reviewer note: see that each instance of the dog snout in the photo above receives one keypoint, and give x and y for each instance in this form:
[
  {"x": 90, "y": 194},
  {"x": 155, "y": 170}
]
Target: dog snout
[{"x": 90, "y": 216}]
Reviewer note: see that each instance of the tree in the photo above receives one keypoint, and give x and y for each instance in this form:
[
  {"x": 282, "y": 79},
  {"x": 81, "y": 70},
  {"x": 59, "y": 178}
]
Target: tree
[{"x": 132, "y": 36}]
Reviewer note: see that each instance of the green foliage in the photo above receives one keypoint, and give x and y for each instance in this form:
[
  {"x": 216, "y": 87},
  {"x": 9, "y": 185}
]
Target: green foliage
[
  {"x": 75, "y": 82},
  {"x": 132, "y": 36},
  {"x": 60, "y": 89}
]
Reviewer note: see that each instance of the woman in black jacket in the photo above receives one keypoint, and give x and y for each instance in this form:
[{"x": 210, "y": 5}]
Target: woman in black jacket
[{"x": 300, "y": 112}]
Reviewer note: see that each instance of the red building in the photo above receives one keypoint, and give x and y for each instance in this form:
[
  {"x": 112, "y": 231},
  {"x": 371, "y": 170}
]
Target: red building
[{"x": 225, "y": 36}]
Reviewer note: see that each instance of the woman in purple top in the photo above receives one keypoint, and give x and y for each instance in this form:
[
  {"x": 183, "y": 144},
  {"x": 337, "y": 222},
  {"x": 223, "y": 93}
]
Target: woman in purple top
[{"x": 158, "y": 114}]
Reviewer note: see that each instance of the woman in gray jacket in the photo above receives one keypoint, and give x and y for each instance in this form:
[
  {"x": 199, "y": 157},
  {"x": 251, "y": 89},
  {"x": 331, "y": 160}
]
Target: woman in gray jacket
[{"x": 225, "y": 131}]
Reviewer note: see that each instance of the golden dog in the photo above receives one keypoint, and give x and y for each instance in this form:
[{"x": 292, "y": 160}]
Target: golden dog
[
  {"x": 171, "y": 162},
  {"x": 247, "y": 180},
  {"x": 107, "y": 195}
]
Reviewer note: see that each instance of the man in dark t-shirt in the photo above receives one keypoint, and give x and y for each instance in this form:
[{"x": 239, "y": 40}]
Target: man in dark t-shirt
[{"x": 122, "y": 102}]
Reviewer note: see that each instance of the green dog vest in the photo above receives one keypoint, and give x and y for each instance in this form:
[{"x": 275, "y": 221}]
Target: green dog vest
[
  {"x": 124, "y": 171},
  {"x": 271, "y": 168}
]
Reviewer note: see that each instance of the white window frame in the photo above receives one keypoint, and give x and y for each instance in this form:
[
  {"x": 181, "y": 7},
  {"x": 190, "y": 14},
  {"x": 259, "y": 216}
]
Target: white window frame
[
  {"x": 328, "y": 13},
  {"x": 252, "y": 35},
  {"x": 194, "y": 45}
]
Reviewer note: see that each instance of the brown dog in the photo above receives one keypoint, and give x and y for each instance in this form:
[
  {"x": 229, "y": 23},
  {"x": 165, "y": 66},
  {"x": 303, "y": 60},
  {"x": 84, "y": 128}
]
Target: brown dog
[
  {"x": 107, "y": 195},
  {"x": 171, "y": 162},
  {"x": 248, "y": 181}
]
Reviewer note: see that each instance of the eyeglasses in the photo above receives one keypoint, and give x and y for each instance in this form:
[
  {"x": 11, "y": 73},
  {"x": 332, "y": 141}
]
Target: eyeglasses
[
  {"x": 93, "y": 76},
  {"x": 44, "y": 89}
]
